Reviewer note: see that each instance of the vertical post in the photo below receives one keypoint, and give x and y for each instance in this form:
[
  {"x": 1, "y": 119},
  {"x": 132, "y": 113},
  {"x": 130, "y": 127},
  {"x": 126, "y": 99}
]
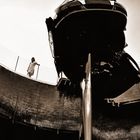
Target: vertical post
[
  {"x": 37, "y": 72},
  {"x": 87, "y": 103},
  {"x": 16, "y": 63}
]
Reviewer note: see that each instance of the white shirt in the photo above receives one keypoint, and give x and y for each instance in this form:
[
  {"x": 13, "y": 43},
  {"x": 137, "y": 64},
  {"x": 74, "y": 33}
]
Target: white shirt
[{"x": 31, "y": 67}]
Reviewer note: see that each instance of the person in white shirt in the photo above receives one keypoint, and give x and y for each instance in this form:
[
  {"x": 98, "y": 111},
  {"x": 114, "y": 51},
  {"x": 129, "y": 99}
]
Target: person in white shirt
[{"x": 31, "y": 67}]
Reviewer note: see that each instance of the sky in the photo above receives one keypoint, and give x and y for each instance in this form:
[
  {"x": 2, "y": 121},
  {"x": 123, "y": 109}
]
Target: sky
[
  {"x": 23, "y": 33},
  {"x": 132, "y": 28}
]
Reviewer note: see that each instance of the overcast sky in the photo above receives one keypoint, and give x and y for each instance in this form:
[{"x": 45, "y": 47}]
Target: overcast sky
[
  {"x": 23, "y": 30},
  {"x": 133, "y": 27}
]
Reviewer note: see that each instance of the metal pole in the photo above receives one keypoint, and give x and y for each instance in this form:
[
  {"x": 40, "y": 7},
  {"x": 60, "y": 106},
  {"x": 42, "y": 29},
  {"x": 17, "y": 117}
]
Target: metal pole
[
  {"x": 16, "y": 63},
  {"x": 37, "y": 72},
  {"x": 87, "y": 103}
]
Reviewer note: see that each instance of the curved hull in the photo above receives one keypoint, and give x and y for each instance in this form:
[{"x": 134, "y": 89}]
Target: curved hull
[
  {"x": 37, "y": 104},
  {"x": 34, "y": 110}
]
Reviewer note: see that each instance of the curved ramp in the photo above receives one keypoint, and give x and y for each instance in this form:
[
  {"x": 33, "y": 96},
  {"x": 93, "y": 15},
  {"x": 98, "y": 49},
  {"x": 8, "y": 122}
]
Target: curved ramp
[
  {"x": 132, "y": 95},
  {"x": 31, "y": 102},
  {"x": 25, "y": 101}
]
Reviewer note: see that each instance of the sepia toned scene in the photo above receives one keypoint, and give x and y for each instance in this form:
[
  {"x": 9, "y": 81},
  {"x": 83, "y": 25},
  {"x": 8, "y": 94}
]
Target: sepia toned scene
[{"x": 69, "y": 70}]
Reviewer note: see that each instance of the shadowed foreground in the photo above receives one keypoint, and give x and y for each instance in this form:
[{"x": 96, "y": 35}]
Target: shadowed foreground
[
  {"x": 35, "y": 110},
  {"x": 36, "y": 103}
]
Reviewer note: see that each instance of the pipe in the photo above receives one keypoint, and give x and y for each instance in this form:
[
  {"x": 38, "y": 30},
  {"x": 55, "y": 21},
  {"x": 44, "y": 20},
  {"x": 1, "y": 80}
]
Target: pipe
[
  {"x": 87, "y": 103},
  {"x": 16, "y": 63}
]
